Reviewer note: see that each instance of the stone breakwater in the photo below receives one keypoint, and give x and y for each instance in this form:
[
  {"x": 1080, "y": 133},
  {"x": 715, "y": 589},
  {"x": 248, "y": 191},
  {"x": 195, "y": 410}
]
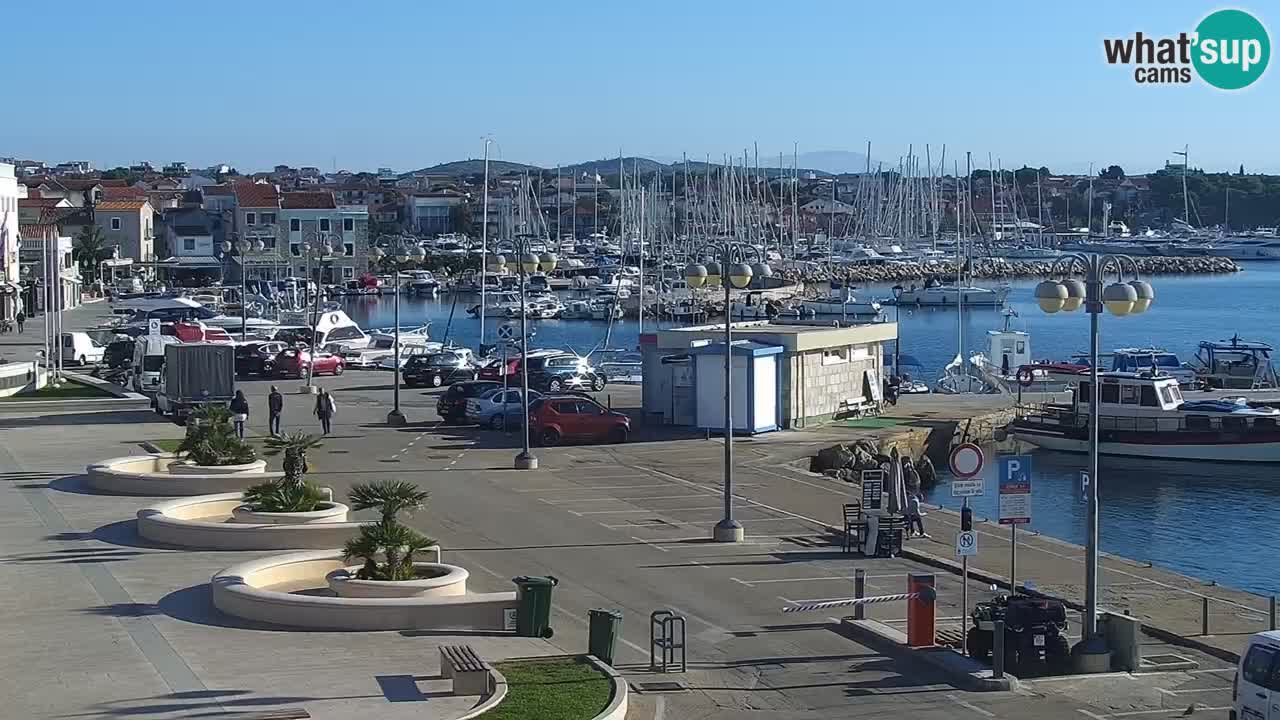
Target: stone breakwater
[{"x": 997, "y": 269}]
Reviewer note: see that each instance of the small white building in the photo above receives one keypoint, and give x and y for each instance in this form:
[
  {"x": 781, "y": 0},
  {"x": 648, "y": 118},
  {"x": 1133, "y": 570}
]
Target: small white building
[{"x": 9, "y": 299}]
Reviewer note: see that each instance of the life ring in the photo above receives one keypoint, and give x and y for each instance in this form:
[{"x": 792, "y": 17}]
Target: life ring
[{"x": 1025, "y": 377}]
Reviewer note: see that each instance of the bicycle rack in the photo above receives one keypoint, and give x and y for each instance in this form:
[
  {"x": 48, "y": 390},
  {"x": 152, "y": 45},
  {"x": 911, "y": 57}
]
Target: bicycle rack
[{"x": 663, "y": 626}]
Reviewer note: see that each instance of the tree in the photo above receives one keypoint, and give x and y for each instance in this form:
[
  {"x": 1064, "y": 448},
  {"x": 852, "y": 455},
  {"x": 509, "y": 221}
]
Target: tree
[
  {"x": 1241, "y": 173},
  {"x": 212, "y": 441},
  {"x": 387, "y": 539},
  {"x": 291, "y": 493},
  {"x": 1113, "y": 172},
  {"x": 90, "y": 247}
]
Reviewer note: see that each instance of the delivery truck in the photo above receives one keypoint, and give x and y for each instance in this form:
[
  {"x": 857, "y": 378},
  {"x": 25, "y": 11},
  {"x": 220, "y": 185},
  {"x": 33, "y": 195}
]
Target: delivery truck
[{"x": 195, "y": 374}]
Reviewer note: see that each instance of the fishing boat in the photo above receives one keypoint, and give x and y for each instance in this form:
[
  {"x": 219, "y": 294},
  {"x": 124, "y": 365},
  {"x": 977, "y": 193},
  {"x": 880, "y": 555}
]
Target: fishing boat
[
  {"x": 1145, "y": 415},
  {"x": 1235, "y": 364},
  {"x": 839, "y": 302}
]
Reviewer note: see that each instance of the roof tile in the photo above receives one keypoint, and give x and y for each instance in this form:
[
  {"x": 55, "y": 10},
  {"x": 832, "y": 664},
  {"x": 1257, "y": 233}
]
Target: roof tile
[
  {"x": 120, "y": 205},
  {"x": 257, "y": 195},
  {"x": 307, "y": 200}
]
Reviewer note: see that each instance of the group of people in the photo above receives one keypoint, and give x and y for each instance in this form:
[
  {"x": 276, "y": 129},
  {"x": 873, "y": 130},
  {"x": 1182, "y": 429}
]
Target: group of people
[{"x": 325, "y": 409}]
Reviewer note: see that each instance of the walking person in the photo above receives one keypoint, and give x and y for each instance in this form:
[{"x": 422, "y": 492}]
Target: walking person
[
  {"x": 275, "y": 406},
  {"x": 325, "y": 410},
  {"x": 240, "y": 412},
  {"x": 915, "y": 518},
  {"x": 21, "y": 318}
]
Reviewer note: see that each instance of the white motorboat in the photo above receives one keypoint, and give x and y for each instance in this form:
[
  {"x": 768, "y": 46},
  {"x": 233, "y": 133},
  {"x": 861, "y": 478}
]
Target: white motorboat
[
  {"x": 839, "y": 302},
  {"x": 1145, "y": 415},
  {"x": 422, "y": 282},
  {"x": 951, "y": 296},
  {"x": 1235, "y": 364},
  {"x": 382, "y": 343}
]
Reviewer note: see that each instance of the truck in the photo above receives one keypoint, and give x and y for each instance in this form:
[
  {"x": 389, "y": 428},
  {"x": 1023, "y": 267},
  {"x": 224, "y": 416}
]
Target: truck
[{"x": 195, "y": 374}]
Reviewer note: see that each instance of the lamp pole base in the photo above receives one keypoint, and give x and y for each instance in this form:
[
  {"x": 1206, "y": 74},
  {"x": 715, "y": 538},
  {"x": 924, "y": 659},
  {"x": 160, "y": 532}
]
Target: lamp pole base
[
  {"x": 395, "y": 418},
  {"x": 526, "y": 461},
  {"x": 728, "y": 531},
  {"x": 308, "y": 390},
  {"x": 1091, "y": 655}
]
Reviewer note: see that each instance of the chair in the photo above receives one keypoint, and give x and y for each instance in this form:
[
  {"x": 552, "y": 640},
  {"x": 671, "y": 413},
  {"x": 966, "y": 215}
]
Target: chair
[{"x": 853, "y": 525}]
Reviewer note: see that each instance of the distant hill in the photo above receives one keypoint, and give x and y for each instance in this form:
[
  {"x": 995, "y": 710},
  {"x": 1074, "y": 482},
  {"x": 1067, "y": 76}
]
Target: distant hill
[
  {"x": 609, "y": 166},
  {"x": 473, "y": 167}
]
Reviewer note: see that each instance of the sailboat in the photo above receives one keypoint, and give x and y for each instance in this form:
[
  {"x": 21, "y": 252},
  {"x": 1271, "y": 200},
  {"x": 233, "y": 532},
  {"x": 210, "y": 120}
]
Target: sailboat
[{"x": 956, "y": 377}]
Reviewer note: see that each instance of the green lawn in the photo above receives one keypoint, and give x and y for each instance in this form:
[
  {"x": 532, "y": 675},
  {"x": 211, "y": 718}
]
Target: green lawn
[
  {"x": 169, "y": 446},
  {"x": 562, "y": 689},
  {"x": 68, "y": 391}
]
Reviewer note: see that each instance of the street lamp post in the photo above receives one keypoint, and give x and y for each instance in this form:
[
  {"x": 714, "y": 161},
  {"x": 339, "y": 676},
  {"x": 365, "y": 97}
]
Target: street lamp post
[
  {"x": 1120, "y": 298},
  {"x": 321, "y": 247},
  {"x": 731, "y": 271},
  {"x": 402, "y": 251},
  {"x": 240, "y": 247},
  {"x": 528, "y": 263}
]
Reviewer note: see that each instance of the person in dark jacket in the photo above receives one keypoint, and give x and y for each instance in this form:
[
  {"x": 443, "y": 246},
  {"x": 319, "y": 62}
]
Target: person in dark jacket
[
  {"x": 21, "y": 318},
  {"x": 275, "y": 406},
  {"x": 325, "y": 409},
  {"x": 240, "y": 412}
]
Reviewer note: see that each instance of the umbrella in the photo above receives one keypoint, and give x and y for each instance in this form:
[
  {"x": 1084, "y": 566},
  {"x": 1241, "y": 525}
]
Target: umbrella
[{"x": 895, "y": 485}]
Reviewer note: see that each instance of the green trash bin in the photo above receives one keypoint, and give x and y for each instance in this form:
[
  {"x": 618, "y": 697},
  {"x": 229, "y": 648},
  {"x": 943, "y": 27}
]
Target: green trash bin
[
  {"x": 533, "y": 601},
  {"x": 602, "y": 633}
]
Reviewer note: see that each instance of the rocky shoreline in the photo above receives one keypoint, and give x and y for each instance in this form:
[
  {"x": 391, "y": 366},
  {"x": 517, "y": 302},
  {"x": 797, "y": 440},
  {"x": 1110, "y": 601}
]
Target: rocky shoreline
[{"x": 998, "y": 269}]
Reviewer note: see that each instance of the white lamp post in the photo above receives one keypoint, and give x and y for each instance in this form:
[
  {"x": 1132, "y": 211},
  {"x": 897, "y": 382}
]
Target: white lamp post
[
  {"x": 321, "y": 247},
  {"x": 404, "y": 249},
  {"x": 1120, "y": 298},
  {"x": 241, "y": 247},
  {"x": 731, "y": 271},
  {"x": 529, "y": 263}
]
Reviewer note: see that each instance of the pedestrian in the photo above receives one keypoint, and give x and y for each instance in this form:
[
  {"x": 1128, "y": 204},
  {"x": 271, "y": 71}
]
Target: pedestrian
[
  {"x": 22, "y": 318},
  {"x": 240, "y": 412},
  {"x": 915, "y": 517},
  {"x": 275, "y": 406},
  {"x": 325, "y": 410}
]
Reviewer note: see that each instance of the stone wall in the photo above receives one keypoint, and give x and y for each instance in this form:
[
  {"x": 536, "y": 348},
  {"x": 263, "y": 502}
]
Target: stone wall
[{"x": 817, "y": 382}]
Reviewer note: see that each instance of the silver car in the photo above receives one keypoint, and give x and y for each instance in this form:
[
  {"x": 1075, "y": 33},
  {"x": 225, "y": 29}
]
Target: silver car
[{"x": 496, "y": 407}]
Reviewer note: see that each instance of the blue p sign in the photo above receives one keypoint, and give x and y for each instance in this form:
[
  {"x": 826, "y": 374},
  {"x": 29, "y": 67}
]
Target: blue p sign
[{"x": 1084, "y": 486}]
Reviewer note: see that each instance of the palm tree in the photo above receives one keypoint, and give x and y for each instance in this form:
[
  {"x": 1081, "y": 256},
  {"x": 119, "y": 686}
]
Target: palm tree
[
  {"x": 395, "y": 542},
  {"x": 294, "y": 448},
  {"x": 389, "y": 497},
  {"x": 90, "y": 247}
]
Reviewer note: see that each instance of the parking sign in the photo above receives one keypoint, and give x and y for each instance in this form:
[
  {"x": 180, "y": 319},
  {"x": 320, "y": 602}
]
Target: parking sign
[{"x": 1015, "y": 489}]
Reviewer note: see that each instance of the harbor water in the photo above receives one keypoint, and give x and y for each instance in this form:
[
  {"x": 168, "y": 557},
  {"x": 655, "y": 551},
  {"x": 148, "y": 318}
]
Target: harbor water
[{"x": 1217, "y": 522}]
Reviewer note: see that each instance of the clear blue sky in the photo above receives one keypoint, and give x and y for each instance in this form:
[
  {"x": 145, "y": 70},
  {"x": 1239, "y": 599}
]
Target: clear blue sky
[{"x": 407, "y": 84}]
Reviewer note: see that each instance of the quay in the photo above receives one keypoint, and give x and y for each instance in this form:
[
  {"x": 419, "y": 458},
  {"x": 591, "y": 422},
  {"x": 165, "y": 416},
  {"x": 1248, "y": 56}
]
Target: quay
[
  {"x": 945, "y": 270},
  {"x": 123, "y": 627}
]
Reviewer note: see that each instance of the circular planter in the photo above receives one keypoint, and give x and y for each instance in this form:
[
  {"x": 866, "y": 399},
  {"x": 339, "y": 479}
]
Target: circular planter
[
  {"x": 184, "y": 467},
  {"x": 434, "y": 580},
  {"x": 329, "y": 512},
  {"x": 161, "y": 475},
  {"x": 204, "y": 522}
]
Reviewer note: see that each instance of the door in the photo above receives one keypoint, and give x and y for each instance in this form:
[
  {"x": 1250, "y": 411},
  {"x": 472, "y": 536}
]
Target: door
[
  {"x": 1256, "y": 673},
  {"x": 588, "y": 418},
  {"x": 567, "y": 417}
]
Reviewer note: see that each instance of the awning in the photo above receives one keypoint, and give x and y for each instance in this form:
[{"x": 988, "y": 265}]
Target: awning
[{"x": 192, "y": 261}]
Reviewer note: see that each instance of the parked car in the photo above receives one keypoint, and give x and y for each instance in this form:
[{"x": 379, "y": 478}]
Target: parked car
[
  {"x": 566, "y": 371},
  {"x": 452, "y": 405},
  {"x": 491, "y": 409},
  {"x": 493, "y": 369},
  {"x": 257, "y": 358},
  {"x": 294, "y": 362},
  {"x": 553, "y": 419},
  {"x": 436, "y": 369},
  {"x": 78, "y": 348},
  {"x": 119, "y": 353}
]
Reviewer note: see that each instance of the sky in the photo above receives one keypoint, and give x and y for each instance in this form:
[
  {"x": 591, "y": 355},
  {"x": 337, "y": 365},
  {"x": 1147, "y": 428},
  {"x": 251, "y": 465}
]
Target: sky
[{"x": 407, "y": 84}]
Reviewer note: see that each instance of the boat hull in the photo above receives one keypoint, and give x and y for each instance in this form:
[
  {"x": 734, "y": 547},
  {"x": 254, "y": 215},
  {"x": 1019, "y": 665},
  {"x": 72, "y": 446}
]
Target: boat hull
[{"x": 1267, "y": 451}]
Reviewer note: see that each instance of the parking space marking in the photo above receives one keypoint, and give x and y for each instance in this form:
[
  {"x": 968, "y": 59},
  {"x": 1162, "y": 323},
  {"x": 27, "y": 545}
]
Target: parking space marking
[
  {"x": 1167, "y": 691},
  {"x": 1132, "y": 713},
  {"x": 650, "y": 543},
  {"x": 623, "y": 512},
  {"x": 690, "y": 523},
  {"x": 1093, "y": 715},
  {"x": 969, "y": 706},
  {"x": 618, "y": 499},
  {"x": 579, "y": 488}
]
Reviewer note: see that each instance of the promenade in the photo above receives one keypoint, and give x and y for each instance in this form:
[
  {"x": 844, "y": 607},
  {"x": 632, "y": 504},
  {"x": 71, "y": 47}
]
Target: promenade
[{"x": 98, "y": 624}]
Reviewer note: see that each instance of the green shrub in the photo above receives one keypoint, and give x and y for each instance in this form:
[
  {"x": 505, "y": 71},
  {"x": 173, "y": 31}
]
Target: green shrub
[
  {"x": 211, "y": 439},
  {"x": 387, "y": 547},
  {"x": 291, "y": 493}
]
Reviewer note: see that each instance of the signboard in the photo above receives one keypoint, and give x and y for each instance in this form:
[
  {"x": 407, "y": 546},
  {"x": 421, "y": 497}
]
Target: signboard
[
  {"x": 153, "y": 327},
  {"x": 872, "y": 489},
  {"x": 968, "y": 488},
  {"x": 966, "y": 543},
  {"x": 509, "y": 619},
  {"x": 1084, "y": 486},
  {"x": 966, "y": 460},
  {"x": 1015, "y": 489},
  {"x": 506, "y": 331},
  {"x": 874, "y": 389}
]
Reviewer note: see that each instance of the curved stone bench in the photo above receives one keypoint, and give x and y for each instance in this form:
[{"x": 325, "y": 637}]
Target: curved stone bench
[
  {"x": 193, "y": 523},
  {"x": 242, "y": 591},
  {"x": 163, "y": 475}
]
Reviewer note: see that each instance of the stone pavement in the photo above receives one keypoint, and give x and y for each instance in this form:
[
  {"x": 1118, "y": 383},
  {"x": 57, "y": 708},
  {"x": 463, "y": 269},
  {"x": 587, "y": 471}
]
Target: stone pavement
[{"x": 128, "y": 630}]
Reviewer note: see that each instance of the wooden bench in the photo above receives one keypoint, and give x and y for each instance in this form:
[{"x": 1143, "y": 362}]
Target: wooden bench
[
  {"x": 854, "y": 407},
  {"x": 469, "y": 673}
]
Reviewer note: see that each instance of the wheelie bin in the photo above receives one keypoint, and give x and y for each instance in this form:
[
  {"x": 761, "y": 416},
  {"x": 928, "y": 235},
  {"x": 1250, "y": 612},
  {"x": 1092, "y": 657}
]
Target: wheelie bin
[{"x": 533, "y": 605}]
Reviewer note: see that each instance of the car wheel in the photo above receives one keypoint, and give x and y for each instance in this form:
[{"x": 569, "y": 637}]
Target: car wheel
[
  {"x": 437, "y": 380},
  {"x": 549, "y": 437},
  {"x": 337, "y": 369},
  {"x": 499, "y": 422},
  {"x": 598, "y": 383},
  {"x": 554, "y": 385},
  {"x": 618, "y": 435}
]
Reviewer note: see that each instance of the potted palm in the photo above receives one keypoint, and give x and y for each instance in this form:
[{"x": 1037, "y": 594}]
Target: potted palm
[
  {"x": 388, "y": 550},
  {"x": 211, "y": 446},
  {"x": 291, "y": 499}
]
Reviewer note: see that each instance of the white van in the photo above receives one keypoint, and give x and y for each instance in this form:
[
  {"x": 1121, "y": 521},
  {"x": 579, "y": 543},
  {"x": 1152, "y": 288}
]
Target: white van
[
  {"x": 78, "y": 347},
  {"x": 148, "y": 361},
  {"x": 1256, "y": 689}
]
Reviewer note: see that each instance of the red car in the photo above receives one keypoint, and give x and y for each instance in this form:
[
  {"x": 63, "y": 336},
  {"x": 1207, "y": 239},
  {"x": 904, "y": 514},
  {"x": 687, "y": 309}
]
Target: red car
[
  {"x": 294, "y": 362},
  {"x": 573, "y": 417}
]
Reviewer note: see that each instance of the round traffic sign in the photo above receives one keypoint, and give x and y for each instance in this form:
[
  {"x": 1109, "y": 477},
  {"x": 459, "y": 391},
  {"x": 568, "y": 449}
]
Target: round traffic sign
[
  {"x": 506, "y": 331},
  {"x": 966, "y": 460}
]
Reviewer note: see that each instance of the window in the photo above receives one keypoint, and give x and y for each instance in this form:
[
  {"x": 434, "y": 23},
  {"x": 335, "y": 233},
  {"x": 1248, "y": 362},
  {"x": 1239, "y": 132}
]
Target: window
[
  {"x": 348, "y": 249},
  {"x": 267, "y": 219},
  {"x": 251, "y": 218},
  {"x": 295, "y": 249},
  {"x": 348, "y": 332},
  {"x": 1166, "y": 395},
  {"x": 295, "y": 225},
  {"x": 1111, "y": 393},
  {"x": 1129, "y": 394},
  {"x": 348, "y": 273},
  {"x": 115, "y": 223},
  {"x": 566, "y": 407},
  {"x": 324, "y": 225},
  {"x": 188, "y": 243},
  {"x": 586, "y": 407},
  {"x": 835, "y": 356},
  {"x": 268, "y": 242},
  {"x": 1257, "y": 666},
  {"x": 1149, "y": 398},
  {"x": 348, "y": 224}
]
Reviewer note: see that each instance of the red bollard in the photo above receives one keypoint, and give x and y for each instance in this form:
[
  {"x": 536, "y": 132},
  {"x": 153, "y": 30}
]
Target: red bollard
[{"x": 921, "y": 616}]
